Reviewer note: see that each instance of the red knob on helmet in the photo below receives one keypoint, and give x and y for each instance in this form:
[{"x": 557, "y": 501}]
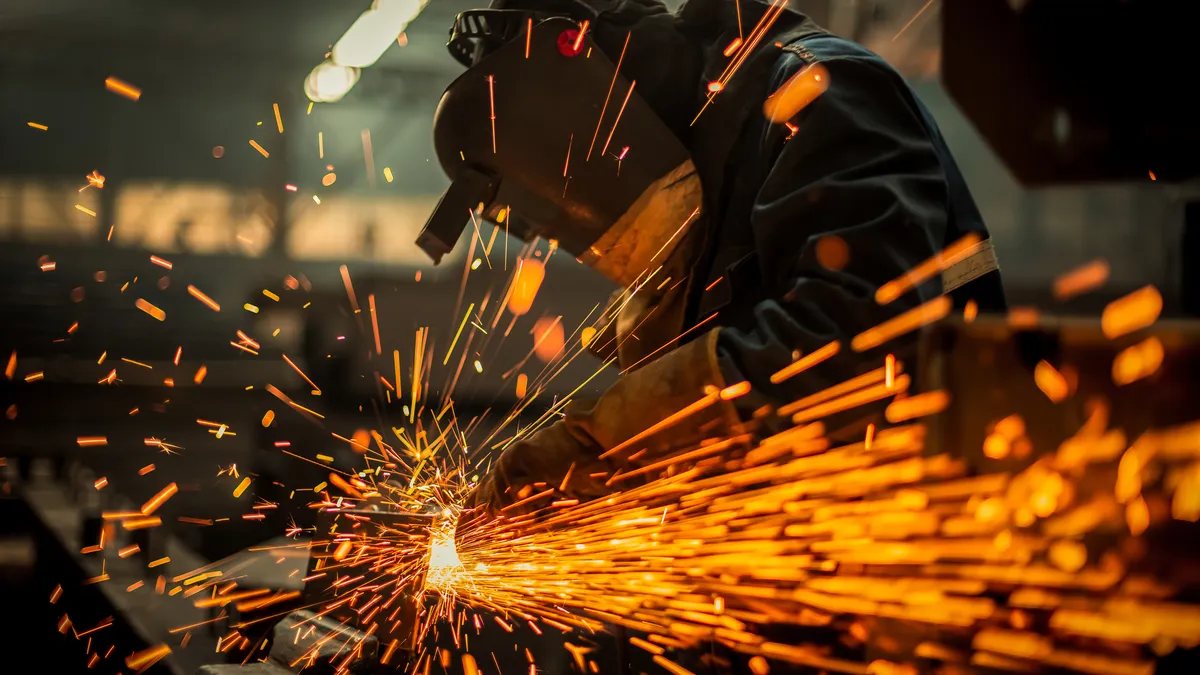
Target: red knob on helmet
[{"x": 569, "y": 43}]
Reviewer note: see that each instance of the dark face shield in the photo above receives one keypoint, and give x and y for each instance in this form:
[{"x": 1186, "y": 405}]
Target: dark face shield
[{"x": 543, "y": 125}]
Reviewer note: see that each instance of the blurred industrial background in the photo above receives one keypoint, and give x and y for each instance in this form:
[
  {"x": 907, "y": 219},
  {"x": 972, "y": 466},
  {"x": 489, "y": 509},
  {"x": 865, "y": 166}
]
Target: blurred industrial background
[{"x": 226, "y": 171}]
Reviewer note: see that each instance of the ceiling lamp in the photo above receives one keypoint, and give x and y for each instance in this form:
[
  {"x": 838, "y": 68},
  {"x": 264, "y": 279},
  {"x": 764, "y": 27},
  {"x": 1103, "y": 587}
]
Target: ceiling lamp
[
  {"x": 329, "y": 82},
  {"x": 367, "y": 39},
  {"x": 375, "y": 30}
]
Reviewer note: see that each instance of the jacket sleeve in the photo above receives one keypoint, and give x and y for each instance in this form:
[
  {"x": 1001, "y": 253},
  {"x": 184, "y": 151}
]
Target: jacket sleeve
[
  {"x": 861, "y": 169},
  {"x": 618, "y": 440}
]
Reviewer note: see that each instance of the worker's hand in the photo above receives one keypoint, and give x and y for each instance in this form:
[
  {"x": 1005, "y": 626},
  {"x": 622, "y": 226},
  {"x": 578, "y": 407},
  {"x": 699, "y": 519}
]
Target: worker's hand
[
  {"x": 532, "y": 466},
  {"x": 635, "y": 423}
]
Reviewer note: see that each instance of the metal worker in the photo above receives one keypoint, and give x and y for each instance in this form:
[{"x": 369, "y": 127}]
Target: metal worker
[{"x": 750, "y": 182}]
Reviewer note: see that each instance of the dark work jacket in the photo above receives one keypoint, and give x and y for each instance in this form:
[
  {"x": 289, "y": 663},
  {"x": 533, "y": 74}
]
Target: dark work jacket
[{"x": 866, "y": 162}]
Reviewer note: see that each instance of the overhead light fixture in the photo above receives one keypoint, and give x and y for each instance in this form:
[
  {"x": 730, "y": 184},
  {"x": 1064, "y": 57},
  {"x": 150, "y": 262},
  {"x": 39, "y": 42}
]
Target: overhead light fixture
[
  {"x": 367, "y": 39},
  {"x": 375, "y": 30},
  {"x": 329, "y": 82}
]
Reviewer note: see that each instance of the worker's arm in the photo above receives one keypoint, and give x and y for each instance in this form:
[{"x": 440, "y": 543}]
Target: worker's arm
[
  {"x": 600, "y": 445},
  {"x": 861, "y": 167}
]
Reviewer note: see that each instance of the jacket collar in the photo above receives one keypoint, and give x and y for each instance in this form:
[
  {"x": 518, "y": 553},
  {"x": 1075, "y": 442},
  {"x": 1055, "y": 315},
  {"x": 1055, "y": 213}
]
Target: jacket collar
[{"x": 716, "y": 24}]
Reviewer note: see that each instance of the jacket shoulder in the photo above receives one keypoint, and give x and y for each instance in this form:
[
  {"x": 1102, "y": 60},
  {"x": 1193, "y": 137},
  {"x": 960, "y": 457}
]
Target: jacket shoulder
[{"x": 822, "y": 46}]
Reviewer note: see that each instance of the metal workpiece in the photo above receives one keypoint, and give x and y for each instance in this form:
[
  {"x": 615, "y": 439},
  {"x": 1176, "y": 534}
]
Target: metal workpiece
[
  {"x": 320, "y": 645},
  {"x": 267, "y": 668},
  {"x": 360, "y": 576},
  {"x": 317, "y": 645},
  {"x": 396, "y": 571}
]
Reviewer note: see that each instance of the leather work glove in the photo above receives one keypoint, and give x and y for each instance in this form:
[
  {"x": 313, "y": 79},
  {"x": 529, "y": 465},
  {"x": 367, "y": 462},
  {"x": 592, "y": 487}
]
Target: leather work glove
[{"x": 578, "y": 456}]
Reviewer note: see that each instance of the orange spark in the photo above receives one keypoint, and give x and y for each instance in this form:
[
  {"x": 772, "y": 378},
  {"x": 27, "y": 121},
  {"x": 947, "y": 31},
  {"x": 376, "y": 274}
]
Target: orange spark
[
  {"x": 345, "y": 272},
  {"x": 159, "y": 499},
  {"x": 374, "y": 322},
  {"x": 1138, "y": 361},
  {"x": 671, "y": 666},
  {"x": 1023, "y": 317},
  {"x": 802, "y": 364},
  {"x": 970, "y": 311},
  {"x": 492, "y": 99},
  {"x": 454, "y": 342},
  {"x": 301, "y": 372},
  {"x": 396, "y": 366},
  {"x": 194, "y": 521},
  {"x": 141, "y": 523},
  {"x": 566, "y": 164},
  {"x": 1081, "y": 280},
  {"x": 247, "y": 340},
  {"x": 925, "y": 270},
  {"x": 617, "y": 121},
  {"x": 917, "y": 406},
  {"x": 1050, "y": 381},
  {"x": 734, "y": 391},
  {"x": 1135, "y": 311},
  {"x": 794, "y": 95},
  {"x": 549, "y": 338},
  {"x": 151, "y": 309},
  {"x": 528, "y": 280},
  {"x": 122, "y": 88},
  {"x": 912, "y": 20},
  {"x": 611, "y": 85},
  {"x": 147, "y": 657},
  {"x": 756, "y": 35},
  {"x": 368, "y": 157},
  {"x": 241, "y": 488},
  {"x": 911, "y": 320}
]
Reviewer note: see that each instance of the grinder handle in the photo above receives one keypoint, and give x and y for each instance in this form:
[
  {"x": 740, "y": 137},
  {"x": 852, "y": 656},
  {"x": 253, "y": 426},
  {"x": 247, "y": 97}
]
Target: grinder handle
[{"x": 470, "y": 189}]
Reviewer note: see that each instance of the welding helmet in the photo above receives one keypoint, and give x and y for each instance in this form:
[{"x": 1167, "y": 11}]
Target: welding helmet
[{"x": 545, "y": 134}]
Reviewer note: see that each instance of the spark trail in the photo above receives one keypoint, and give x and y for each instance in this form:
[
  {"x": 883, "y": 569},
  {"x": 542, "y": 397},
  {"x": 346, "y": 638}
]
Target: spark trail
[{"x": 1009, "y": 570}]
